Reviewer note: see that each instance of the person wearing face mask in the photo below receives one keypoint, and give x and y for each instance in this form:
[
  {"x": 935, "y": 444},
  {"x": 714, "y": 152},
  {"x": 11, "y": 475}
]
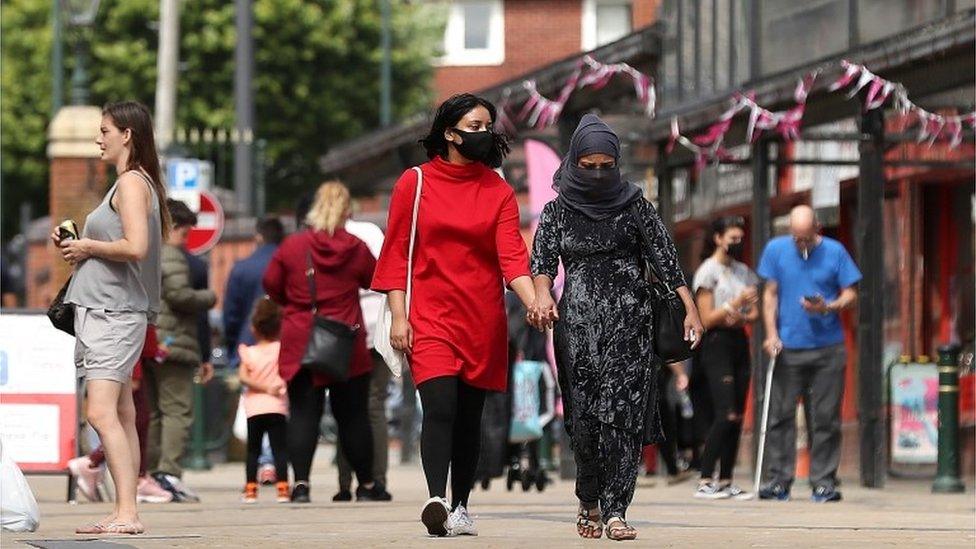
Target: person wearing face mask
[
  {"x": 468, "y": 248},
  {"x": 809, "y": 279},
  {"x": 727, "y": 296},
  {"x": 606, "y": 366}
]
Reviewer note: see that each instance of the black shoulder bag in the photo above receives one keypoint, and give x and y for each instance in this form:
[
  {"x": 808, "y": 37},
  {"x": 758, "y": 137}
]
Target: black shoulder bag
[
  {"x": 669, "y": 311},
  {"x": 62, "y": 314},
  {"x": 331, "y": 343}
]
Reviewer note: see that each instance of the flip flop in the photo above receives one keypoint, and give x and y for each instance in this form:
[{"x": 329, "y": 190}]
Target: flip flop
[
  {"x": 124, "y": 528},
  {"x": 93, "y": 528}
]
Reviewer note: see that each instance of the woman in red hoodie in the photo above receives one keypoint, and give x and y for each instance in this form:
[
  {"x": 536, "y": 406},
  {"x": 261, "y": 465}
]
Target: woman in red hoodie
[
  {"x": 343, "y": 265},
  {"x": 468, "y": 248}
]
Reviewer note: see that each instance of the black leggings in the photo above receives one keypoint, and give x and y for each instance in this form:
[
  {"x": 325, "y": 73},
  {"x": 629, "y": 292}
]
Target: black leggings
[
  {"x": 276, "y": 426},
  {"x": 450, "y": 436},
  {"x": 350, "y": 406},
  {"x": 724, "y": 359}
]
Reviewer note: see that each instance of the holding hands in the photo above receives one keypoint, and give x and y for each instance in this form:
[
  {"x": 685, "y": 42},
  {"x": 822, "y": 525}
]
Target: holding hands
[{"x": 543, "y": 312}]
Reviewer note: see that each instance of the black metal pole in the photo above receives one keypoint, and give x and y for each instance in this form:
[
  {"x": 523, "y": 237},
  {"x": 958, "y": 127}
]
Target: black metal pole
[
  {"x": 760, "y": 230},
  {"x": 947, "y": 479},
  {"x": 869, "y": 229},
  {"x": 386, "y": 78}
]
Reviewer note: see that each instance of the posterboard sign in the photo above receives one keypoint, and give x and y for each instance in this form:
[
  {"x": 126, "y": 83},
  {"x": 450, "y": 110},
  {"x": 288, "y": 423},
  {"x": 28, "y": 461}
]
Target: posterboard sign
[
  {"x": 38, "y": 412},
  {"x": 914, "y": 413}
]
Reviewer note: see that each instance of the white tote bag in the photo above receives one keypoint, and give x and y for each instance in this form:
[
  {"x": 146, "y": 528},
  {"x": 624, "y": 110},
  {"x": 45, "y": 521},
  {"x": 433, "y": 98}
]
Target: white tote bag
[{"x": 394, "y": 359}]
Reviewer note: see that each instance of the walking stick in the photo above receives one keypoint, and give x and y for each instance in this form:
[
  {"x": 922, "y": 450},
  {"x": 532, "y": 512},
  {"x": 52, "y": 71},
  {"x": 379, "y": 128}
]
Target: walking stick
[{"x": 763, "y": 423}]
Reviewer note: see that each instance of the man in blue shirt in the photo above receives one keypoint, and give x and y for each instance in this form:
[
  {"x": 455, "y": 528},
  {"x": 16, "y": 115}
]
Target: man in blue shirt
[
  {"x": 244, "y": 285},
  {"x": 809, "y": 279}
]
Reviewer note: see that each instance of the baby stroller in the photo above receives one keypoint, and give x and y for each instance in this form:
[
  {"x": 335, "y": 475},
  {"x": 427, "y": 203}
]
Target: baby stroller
[{"x": 531, "y": 382}]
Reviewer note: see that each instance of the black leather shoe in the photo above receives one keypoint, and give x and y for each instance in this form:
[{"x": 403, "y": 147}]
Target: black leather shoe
[
  {"x": 342, "y": 495},
  {"x": 299, "y": 494}
]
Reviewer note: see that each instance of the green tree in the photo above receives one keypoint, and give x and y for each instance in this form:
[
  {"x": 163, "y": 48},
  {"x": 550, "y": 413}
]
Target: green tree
[{"x": 316, "y": 78}]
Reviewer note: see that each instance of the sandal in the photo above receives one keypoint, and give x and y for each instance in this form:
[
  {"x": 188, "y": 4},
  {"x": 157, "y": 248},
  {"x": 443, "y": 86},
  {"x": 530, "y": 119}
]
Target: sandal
[
  {"x": 586, "y": 526},
  {"x": 619, "y": 530},
  {"x": 93, "y": 528},
  {"x": 124, "y": 528}
]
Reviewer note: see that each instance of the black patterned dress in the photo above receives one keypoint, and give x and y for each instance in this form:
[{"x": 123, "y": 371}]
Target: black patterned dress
[{"x": 605, "y": 362}]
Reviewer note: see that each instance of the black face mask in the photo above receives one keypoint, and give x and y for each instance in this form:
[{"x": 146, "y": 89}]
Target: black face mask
[
  {"x": 736, "y": 249},
  {"x": 476, "y": 146}
]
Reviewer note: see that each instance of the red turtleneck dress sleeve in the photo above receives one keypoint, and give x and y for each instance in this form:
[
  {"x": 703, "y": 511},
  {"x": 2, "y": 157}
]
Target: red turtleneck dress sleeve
[{"x": 468, "y": 248}]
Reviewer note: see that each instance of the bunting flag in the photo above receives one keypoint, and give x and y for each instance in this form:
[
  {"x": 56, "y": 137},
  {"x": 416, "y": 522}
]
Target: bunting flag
[
  {"x": 540, "y": 112},
  {"x": 855, "y": 78}
]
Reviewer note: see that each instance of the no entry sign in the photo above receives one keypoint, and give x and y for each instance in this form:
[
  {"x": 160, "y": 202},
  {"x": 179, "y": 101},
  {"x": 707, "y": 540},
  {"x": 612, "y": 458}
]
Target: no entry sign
[{"x": 210, "y": 225}]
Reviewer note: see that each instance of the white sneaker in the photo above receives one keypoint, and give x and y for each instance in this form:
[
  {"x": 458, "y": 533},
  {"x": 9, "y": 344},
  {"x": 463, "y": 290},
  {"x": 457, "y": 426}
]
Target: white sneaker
[
  {"x": 737, "y": 493},
  {"x": 711, "y": 490},
  {"x": 461, "y": 524},
  {"x": 436, "y": 515}
]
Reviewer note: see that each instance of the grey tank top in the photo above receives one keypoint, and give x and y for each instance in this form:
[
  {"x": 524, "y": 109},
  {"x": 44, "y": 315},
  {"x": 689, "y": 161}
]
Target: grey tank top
[{"x": 134, "y": 286}]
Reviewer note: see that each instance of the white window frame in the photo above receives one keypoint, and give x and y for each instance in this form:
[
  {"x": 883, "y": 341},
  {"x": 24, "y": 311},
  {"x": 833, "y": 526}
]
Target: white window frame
[
  {"x": 455, "y": 54},
  {"x": 588, "y": 29}
]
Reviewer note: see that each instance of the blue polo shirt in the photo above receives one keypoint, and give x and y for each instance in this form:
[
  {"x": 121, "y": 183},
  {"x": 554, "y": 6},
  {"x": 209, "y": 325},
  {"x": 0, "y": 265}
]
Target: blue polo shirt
[{"x": 828, "y": 270}]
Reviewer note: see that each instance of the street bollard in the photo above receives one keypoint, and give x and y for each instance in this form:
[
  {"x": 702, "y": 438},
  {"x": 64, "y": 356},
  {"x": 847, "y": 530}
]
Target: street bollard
[
  {"x": 197, "y": 460},
  {"x": 947, "y": 478}
]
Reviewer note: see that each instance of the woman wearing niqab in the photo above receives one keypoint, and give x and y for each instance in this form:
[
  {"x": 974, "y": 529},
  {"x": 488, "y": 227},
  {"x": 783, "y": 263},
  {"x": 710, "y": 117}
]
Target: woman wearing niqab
[{"x": 603, "y": 322}]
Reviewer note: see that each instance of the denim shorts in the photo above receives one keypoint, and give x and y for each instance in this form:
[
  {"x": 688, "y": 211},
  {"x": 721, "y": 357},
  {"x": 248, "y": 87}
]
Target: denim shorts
[{"x": 108, "y": 343}]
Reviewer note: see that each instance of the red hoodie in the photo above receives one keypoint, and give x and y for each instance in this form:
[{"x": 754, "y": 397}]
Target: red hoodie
[{"x": 343, "y": 265}]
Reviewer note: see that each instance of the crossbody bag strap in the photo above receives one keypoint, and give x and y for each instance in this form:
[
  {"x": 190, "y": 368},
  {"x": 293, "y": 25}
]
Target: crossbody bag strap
[
  {"x": 413, "y": 234},
  {"x": 652, "y": 262},
  {"x": 310, "y": 275}
]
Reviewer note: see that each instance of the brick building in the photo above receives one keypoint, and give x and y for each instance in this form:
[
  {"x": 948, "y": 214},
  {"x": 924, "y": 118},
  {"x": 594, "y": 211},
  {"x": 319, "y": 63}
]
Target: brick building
[{"x": 491, "y": 41}]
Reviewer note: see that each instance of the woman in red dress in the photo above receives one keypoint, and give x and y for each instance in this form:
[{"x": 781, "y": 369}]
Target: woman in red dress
[
  {"x": 468, "y": 248},
  {"x": 343, "y": 265}
]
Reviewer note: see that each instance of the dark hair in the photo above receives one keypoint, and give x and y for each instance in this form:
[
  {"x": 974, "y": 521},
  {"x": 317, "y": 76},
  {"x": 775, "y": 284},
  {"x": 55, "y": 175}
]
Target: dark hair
[
  {"x": 718, "y": 228},
  {"x": 266, "y": 319},
  {"x": 180, "y": 213},
  {"x": 135, "y": 117},
  {"x": 271, "y": 230},
  {"x": 448, "y": 114},
  {"x": 302, "y": 207}
]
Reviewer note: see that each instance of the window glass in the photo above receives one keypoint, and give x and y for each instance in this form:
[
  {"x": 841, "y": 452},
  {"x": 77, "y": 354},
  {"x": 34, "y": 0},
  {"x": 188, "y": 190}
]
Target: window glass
[
  {"x": 477, "y": 17},
  {"x": 613, "y": 21}
]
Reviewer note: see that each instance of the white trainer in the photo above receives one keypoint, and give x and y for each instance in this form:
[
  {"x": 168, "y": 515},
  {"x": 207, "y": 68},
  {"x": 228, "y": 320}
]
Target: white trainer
[
  {"x": 461, "y": 524},
  {"x": 436, "y": 516}
]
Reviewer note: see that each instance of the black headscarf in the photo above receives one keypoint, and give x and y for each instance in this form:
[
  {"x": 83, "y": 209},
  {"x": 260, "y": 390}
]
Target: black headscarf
[{"x": 601, "y": 193}]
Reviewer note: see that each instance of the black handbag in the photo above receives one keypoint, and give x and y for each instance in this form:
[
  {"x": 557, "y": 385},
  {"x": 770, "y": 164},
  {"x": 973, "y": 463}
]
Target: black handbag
[
  {"x": 669, "y": 311},
  {"x": 61, "y": 314},
  {"x": 331, "y": 343}
]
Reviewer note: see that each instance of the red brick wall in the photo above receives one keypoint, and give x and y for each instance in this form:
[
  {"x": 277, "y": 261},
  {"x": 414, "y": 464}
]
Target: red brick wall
[
  {"x": 77, "y": 186},
  {"x": 537, "y": 32}
]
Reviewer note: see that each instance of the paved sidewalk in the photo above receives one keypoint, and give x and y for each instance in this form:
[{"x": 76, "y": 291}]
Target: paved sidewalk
[{"x": 905, "y": 514}]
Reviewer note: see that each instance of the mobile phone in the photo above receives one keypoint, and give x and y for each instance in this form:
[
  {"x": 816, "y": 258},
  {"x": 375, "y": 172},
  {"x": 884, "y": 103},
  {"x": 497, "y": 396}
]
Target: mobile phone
[
  {"x": 68, "y": 230},
  {"x": 813, "y": 298}
]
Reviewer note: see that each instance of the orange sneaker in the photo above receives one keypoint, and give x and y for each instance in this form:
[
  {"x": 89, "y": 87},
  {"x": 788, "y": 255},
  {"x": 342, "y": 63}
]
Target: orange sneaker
[
  {"x": 284, "y": 491},
  {"x": 250, "y": 494}
]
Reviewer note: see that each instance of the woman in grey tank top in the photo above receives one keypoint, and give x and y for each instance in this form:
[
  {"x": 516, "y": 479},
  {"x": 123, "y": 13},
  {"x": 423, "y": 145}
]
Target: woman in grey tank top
[{"x": 115, "y": 290}]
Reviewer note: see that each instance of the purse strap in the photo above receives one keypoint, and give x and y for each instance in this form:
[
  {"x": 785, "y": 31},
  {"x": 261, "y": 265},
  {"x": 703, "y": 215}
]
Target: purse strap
[
  {"x": 413, "y": 234},
  {"x": 650, "y": 255},
  {"x": 310, "y": 274}
]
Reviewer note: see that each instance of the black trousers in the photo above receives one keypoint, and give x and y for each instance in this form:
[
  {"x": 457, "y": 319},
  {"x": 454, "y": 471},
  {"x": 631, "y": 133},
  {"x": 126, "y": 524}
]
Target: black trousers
[
  {"x": 451, "y": 436},
  {"x": 276, "y": 427},
  {"x": 669, "y": 421},
  {"x": 350, "y": 406},
  {"x": 607, "y": 459},
  {"x": 724, "y": 359}
]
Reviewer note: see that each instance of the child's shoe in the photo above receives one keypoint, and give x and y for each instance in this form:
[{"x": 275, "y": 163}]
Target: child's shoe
[
  {"x": 284, "y": 491},
  {"x": 250, "y": 494}
]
